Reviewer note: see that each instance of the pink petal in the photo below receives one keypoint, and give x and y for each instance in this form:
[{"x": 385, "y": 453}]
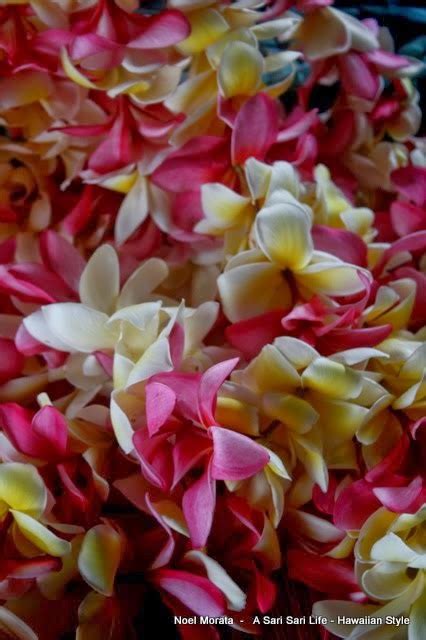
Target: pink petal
[
  {"x": 413, "y": 242},
  {"x": 210, "y": 383},
  {"x": 162, "y": 30},
  {"x": 386, "y": 60},
  {"x": 402, "y": 499},
  {"x": 160, "y": 402},
  {"x": 342, "y": 339},
  {"x": 324, "y": 501},
  {"x": 11, "y": 361},
  {"x": 266, "y": 591},
  {"x": 354, "y": 505},
  {"x": 198, "y": 507},
  {"x": 411, "y": 183},
  {"x": 185, "y": 386},
  {"x": 74, "y": 495},
  {"x": 13, "y": 285},
  {"x": 154, "y": 454},
  {"x": 91, "y": 44},
  {"x": 340, "y": 136},
  {"x": 391, "y": 463},
  {"x": 29, "y": 568},
  {"x": 78, "y": 217},
  {"x": 321, "y": 573},
  {"x": 249, "y": 336},
  {"x": 120, "y": 148},
  {"x": 255, "y": 129},
  {"x": 177, "y": 344},
  {"x": 357, "y": 77},
  {"x": 62, "y": 258},
  {"x": 85, "y": 130},
  {"x": 36, "y": 277},
  {"x": 196, "y": 592},
  {"x": 16, "y": 423},
  {"x": 26, "y": 344},
  {"x": 341, "y": 243},
  {"x": 200, "y": 160},
  {"x": 51, "y": 425},
  {"x": 385, "y": 109},
  {"x": 106, "y": 361},
  {"x": 235, "y": 456},
  {"x": 7, "y": 249},
  {"x": 297, "y": 123},
  {"x": 407, "y": 218},
  {"x": 190, "y": 447}
]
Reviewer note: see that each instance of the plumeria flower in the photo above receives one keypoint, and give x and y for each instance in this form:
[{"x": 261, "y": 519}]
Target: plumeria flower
[
  {"x": 390, "y": 566},
  {"x": 302, "y": 406},
  {"x": 224, "y": 454},
  {"x": 110, "y": 46},
  {"x": 227, "y": 65},
  {"x": 283, "y": 265}
]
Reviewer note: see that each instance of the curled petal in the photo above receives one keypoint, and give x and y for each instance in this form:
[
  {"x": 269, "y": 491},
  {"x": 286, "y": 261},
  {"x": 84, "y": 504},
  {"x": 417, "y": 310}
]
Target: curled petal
[{"x": 99, "y": 558}]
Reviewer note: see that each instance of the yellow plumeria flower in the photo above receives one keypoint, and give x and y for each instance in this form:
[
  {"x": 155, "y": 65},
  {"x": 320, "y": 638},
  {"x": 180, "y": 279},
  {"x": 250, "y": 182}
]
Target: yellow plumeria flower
[
  {"x": 260, "y": 279},
  {"x": 315, "y": 405},
  {"x": 391, "y": 565}
]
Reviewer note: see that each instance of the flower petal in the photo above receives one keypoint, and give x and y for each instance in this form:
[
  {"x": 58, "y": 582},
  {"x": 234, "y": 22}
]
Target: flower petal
[
  {"x": 235, "y": 456},
  {"x": 283, "y": 232},
  {"x": 100, "y": 557},
  {"x": 100, "y": 280},
  {"x": 40, "y": 536}
]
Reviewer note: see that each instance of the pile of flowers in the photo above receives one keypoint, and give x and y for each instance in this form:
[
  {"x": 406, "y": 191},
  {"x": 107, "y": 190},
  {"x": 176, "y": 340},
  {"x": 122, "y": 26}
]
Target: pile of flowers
[{"x": 213, "y": 310}]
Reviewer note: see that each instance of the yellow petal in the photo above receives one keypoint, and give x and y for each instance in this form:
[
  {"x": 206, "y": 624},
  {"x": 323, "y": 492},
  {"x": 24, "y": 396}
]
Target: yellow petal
[
  {"x": 207, "y": 26},
  {"x": 291, "y": 411},
  {"x": 310, "y": 455},
  {"x": 22, "y": 488},
  {"x": 253, "y": 289},
  {"x": 240, "y": 70},
  {"x": 333, "y": 278},
  {"x": 222, "y": 207},
  {"x": 238, "y": 416},
  {"x": 73, "y": 73},
  {"x": 270, "y": 371},
  {"x": 40, "y": 536},
  {"x": 283, "y": 232},
  {"x": 332, "y": 379},
  {"x": 99, "y": 558}
]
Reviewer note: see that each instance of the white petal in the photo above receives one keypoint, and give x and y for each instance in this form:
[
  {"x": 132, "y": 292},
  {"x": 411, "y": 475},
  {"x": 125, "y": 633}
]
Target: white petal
[
  {"x": 142, "y": 282},
  {"x": 283, "y": 232},
  {"x": 100, "y": 280},
  {"x": 133, "y": 211},
  {"x": 80, "y": 327},
  {"x": 37, "y": 326},
  {"x": 156, "y": 359}
]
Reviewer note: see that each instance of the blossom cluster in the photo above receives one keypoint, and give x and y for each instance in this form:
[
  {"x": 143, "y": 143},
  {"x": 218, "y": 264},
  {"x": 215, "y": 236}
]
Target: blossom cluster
[{"x": 213, "y": 311}]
